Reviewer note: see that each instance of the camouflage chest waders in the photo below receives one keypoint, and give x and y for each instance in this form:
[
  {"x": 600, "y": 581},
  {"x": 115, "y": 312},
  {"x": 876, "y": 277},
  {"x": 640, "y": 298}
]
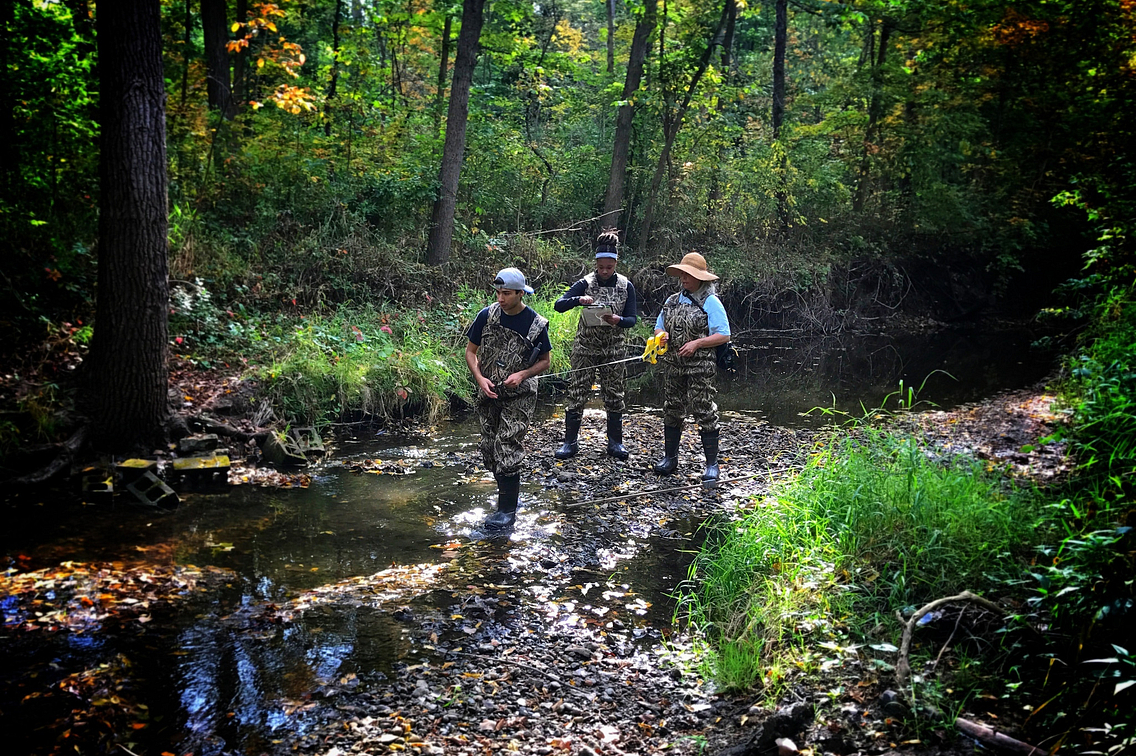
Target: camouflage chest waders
[
  {"x": 689, "y": 380},
  {"x": 595, "y": 345},
  {"x": 505, "y": 420}
]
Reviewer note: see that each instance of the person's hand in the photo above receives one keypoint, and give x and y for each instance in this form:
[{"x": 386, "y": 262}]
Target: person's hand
[
  {"x": 664, "y": 337},
  {"x": 586, "y": 300},
  {"x": 486, "y": 386},
  {"x": 612, "y": 320},
  {"x": 514, "y": 380},
  {"x": 689, "y": 348}
]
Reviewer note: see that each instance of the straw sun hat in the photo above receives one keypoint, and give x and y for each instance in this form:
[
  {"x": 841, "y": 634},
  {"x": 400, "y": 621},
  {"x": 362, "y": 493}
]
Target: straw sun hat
[{"x": 694, "y": 264}]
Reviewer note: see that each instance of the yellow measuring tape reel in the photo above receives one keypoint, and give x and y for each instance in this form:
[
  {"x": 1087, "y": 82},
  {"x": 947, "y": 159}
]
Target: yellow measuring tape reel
[{"x": 655, "y": 348}]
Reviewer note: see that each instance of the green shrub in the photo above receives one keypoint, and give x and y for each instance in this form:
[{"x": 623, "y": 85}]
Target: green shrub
[{"x": 872, "y": 525}]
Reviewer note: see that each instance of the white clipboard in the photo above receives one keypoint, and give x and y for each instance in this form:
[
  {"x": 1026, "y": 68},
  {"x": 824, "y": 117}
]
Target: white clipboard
[{"x": 593, "y": 315}]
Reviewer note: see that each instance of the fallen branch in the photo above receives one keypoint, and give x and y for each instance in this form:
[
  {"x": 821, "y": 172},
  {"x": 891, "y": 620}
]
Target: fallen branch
[
  {"x": 995, "y": 739},
  {"x": 206, "y": 423},
  {"x": 903, "y": 666}
]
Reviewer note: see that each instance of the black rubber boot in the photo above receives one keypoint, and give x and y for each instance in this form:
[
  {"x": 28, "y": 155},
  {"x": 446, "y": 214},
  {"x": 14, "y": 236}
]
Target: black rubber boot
[
  {"x": 615, "y": 447},
  {"x": 669, "y": 463},
  {"x": 710, "y": 447},
  {"x": 508, "y": 492},
  {"x": 570, "y": 446}
]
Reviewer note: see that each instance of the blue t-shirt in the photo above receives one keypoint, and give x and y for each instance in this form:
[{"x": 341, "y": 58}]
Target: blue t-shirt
[
  {"x": 521, "y": 323},
  {"x": 715, "y": 314}
]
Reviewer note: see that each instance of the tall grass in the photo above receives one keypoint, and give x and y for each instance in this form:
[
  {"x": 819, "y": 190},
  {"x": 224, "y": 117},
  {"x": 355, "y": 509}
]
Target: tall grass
[
  {"x": 381, "y": 363},
  {"x": 870, "y": 526}
]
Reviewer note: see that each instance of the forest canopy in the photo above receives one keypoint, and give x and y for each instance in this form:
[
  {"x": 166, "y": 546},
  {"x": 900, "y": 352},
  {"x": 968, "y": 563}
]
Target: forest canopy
[{"x": 304, "y": 139}]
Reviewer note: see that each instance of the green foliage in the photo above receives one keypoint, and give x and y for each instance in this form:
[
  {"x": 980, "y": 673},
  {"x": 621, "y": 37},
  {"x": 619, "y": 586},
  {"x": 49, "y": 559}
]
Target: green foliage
[{"x": 872, "y": 525}]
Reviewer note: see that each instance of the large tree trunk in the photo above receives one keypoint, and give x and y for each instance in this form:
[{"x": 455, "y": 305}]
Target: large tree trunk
[
  {"x": 453, "y": 152},
  {"x": 215, "y": 30},
  {"x": 621, "y": 149},
  {"x": 127, "y": 399},
  {"x": 676, "y": 124}
]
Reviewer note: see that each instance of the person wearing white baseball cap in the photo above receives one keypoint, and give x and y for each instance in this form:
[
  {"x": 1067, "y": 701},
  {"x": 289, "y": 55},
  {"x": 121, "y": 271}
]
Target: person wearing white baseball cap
[{"x": 508, "y": 346}]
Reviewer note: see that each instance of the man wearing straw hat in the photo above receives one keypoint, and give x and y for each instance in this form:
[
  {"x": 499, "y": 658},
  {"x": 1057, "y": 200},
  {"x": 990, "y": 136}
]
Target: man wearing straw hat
[
  {"x": 599, "y": 341},
  {"x": 508, "y": 347},
  {"x": 693, "y": 323}
]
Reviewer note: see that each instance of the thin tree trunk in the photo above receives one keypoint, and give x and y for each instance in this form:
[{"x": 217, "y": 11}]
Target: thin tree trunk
[
  {"x": 440, "y": 97},
  {"x": 714, "y": 196},
  {"x": 127, "y": 397},
  {"x": 453, "y": 151},
  {"x": 610, "y": 36},
  {"x": 676, "y": 124},
  {"x": 187, "y": 41},
  {"x": 240, "y": 64},
  {"x": 328, "y": 107},
  {"x": 215, "y": 28},
  {"x": 780, "y": 41},
  {"x": 871, "y": 131},
  {"x": 621, "y": 149}
]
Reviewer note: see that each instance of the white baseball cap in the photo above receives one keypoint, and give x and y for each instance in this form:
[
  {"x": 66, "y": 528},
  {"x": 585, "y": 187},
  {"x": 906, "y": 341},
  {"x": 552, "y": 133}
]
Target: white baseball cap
[{"x": 511, "y": 278}]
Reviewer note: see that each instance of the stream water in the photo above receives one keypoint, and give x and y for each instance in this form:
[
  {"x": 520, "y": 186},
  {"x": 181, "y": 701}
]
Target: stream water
[{"x": 214, "y": 684}]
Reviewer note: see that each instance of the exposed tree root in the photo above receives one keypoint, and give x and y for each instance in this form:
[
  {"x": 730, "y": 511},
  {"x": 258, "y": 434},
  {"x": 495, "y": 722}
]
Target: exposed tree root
[{"x": 903, "y": 666}]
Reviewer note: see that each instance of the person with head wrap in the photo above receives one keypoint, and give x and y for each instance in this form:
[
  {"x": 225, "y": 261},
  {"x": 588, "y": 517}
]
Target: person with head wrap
[
  {"x": 599, "y": 341},
  {"x": 508, "y": 346},
  {"x": 693, "y": 323}
]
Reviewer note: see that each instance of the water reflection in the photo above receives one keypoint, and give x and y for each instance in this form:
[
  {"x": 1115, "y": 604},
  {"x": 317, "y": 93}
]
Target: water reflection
[
  {"x": 781, "y": 377},
  {"x": 223, "y": 682}
]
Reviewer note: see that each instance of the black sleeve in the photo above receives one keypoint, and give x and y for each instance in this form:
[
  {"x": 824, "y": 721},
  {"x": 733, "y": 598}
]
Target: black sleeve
[
  {"x": 474, "y": 333},
  {"x": 630, "y": 314},
  {"x": 543, "y": 342},
  {"x": 571, "y": 297}
]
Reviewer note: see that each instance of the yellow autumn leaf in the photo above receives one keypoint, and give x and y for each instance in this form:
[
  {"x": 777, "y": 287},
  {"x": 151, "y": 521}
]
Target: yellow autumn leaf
[
  {"x": 236, "y": 25},
  {"x": 260, "y": 62}
]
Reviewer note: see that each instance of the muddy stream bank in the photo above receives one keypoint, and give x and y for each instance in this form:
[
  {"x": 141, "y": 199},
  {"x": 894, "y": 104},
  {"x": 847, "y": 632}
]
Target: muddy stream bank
[{"x": 368, "y": 612}]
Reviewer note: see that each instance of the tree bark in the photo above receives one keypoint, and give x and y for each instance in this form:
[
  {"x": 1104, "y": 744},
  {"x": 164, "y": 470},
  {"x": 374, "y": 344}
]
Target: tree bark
[
  {"x": 334, "y": 83},
  {"x": 440, "y": 97},
  {"x": 676, "y": 124},
  {"x": 453, "y": 151},
  {"x": 610, "y": 36},
  {"x": 9, "y": 153},
  {"x": 621, "y": 148},
  {"x": 875, "y": 107},
  {"x": 127, "y": 389},
  {"x": 780, "y": 41},
  {"x": 218, "y": 83}
]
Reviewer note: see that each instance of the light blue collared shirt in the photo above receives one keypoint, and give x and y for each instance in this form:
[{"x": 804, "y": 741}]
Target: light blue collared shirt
[{"x": 715, "y": 314}]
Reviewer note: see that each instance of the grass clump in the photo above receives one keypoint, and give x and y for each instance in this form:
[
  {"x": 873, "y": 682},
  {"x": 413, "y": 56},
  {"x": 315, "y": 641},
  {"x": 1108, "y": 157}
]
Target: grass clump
[{"x": 872, "y": 525}]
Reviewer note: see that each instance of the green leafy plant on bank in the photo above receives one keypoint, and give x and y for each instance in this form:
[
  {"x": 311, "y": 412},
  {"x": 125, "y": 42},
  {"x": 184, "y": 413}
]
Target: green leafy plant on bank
[{"x": 872, "y": 525}]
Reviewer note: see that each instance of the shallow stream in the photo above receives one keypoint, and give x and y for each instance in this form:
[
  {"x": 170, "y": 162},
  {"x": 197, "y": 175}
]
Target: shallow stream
[{"x": 214, "y": 680}]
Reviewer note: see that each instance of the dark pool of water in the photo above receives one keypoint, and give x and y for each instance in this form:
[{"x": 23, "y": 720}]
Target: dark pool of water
[{"x": 213, "y": 686}]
